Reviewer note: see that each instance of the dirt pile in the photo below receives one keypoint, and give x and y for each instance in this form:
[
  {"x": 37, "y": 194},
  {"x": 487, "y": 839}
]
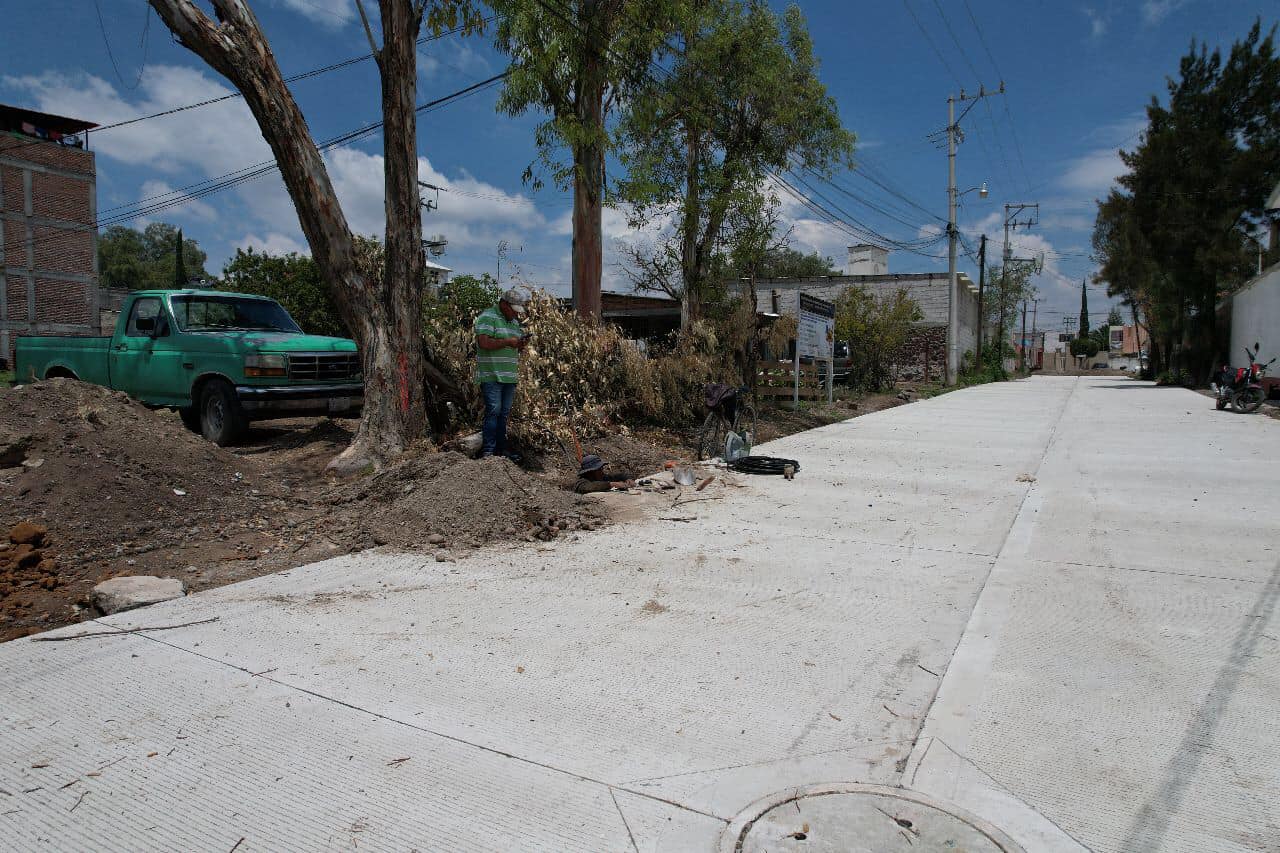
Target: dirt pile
[
  {"x": 445, "y": 500},
  {"x": 110, "y": 477},
  {"x": 26, "y": 567}
]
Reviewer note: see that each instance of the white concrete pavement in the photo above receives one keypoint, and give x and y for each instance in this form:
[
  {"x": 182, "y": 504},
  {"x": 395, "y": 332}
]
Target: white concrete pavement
[{"x": 1051, "y": 603}]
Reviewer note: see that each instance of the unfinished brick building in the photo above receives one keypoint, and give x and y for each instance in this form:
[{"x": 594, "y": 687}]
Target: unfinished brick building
[{"x": 48, "y": 231}]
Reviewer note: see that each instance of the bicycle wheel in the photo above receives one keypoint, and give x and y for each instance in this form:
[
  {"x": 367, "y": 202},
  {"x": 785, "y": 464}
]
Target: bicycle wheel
[{"x": 711, "y": 437}]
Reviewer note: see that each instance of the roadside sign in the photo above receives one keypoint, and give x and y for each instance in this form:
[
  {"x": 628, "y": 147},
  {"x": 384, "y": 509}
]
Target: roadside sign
[
  {"x": 815, "y": 338},
  {"x": 816, "y": 323}
]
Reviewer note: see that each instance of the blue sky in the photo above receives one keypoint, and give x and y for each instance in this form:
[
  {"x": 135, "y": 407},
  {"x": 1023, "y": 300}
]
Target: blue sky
[{"x": 1077, "y": 75}]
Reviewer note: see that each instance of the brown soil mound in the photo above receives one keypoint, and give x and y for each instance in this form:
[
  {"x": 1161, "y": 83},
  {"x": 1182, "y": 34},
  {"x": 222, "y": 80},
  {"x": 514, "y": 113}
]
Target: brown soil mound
[
  {"x": 110, "y": 477},
  {"x": 445, "y": 500}
]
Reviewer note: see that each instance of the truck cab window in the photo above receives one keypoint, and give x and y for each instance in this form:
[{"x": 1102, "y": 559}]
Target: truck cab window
[
  {"x": 144, "y": 318},
  {"x": 201, "y": 313}
]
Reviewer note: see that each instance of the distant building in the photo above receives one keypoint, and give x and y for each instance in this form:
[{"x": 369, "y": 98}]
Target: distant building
[
  {"x": 926, "y": 354},
  {"x": 48, "y": 227},
  {"x": 640, "y": 317}
]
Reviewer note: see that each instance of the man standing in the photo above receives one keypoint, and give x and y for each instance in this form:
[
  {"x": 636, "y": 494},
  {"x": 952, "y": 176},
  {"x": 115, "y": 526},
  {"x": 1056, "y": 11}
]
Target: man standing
[{"x": 499, "y": 340}]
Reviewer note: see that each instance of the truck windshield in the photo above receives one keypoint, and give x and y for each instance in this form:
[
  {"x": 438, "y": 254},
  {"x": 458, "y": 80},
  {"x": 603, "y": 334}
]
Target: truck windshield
[{"x": 228, "y": 313}]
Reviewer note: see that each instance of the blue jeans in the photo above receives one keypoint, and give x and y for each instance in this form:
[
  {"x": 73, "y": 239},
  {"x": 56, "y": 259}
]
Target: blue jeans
[{"x": 497, "y": 407}]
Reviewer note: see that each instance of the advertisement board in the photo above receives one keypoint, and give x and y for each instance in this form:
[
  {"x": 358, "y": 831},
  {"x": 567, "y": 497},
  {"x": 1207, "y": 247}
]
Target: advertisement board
[{"x": 816, "y": 332}]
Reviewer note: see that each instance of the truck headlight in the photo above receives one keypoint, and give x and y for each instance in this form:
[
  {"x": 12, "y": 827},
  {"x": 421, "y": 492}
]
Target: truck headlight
[{"x": 259, "y": 364}]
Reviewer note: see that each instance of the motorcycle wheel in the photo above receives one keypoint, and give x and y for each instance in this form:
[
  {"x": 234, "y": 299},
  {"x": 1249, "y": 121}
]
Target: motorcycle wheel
[{"x": 1247, "y": 401}]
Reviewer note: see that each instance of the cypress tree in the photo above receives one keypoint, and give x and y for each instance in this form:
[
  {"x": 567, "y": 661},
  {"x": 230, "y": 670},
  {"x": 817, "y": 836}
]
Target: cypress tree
[{"x": 179, "y": 266}]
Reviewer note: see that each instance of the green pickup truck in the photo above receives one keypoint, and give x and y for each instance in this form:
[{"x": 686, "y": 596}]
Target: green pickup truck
[{"x": 221, "y": 359}]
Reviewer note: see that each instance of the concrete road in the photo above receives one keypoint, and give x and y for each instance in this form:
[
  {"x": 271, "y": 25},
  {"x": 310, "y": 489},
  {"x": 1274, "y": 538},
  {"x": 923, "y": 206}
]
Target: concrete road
[{"x": 1045, "y": 608}]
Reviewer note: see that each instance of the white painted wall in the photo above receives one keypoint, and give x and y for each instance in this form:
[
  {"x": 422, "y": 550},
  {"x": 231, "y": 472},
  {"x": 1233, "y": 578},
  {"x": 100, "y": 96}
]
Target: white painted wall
[{"x": 1255, "y": 316}]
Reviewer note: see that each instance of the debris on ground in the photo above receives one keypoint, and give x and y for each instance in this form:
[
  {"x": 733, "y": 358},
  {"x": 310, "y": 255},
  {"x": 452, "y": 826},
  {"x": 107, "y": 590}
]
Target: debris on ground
[
  {"x": 131, "y": 592},
  {"x": 95, "y": 486}
]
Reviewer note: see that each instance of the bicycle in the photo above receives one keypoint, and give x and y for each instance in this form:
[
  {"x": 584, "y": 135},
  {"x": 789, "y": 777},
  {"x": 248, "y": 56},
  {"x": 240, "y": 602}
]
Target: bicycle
[{"x": 728, "y": 411}]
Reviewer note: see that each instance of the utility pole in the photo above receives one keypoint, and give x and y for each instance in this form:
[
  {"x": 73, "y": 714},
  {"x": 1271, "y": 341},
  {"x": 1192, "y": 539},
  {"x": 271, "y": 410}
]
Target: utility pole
[
  {"x": 1011, "y": 213},
  {"x": 982, "y": 281},
  {"x": 954, "y": 138}
]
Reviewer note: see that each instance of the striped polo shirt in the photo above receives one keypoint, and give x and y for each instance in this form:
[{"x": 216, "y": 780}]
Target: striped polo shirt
[{"x": 497, "y": 365}]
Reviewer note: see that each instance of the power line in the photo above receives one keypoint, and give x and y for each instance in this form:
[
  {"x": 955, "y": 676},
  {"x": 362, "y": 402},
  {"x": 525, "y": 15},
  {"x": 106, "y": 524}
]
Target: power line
[
  {"x": 929, "y": 39},
  {"x": 106, "y": 42},
  {"x": 963, "y": 55},
  {"x": 203, "y": 189}
]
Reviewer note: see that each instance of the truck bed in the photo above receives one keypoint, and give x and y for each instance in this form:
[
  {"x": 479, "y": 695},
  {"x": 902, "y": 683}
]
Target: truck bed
[{"x": 81, "y": 356}]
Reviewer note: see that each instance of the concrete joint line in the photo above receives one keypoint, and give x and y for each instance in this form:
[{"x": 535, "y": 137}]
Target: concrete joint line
[
  {"x": 453, "y": 738},
  {"x": 964, "y": 681}
]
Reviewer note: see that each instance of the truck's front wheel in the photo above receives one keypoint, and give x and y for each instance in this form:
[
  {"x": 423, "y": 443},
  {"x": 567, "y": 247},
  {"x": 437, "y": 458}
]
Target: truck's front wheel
[
  {"x": 191, "y": 418},
  {"x": 222, "y": 421}
]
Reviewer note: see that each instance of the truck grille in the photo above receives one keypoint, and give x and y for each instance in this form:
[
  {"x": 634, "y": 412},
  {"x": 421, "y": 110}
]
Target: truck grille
[{"x": 324, "y": 367}]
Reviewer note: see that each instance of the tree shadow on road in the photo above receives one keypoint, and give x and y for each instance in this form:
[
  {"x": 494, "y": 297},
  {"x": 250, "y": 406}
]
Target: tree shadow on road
[{"x": 1149, "y": 828}]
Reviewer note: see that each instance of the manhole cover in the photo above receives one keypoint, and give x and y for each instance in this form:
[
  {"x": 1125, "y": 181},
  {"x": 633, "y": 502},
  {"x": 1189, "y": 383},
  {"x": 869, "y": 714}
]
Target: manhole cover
[{"x": 859, "y": 819}]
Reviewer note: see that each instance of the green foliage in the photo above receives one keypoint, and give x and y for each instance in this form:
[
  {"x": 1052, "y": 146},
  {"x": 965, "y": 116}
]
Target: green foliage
[
  {"x": 294, "y": 281},
  {"x": 573, "y": 62},
  {"x": 1114, "y": 318},
  {"x": 1175, "y": 378},
  {"x": 876, "y": 328},
  {"x": 785, "y": 262},
  {"x": 1174, "y": 237},
  {"x": 129, "y": 259},
  {"x": 1003, "y": 297},
  {"x": 1086, "y": 346},
  {"x": 699, "y": 142},
  {"x": 463, "y": 297}
]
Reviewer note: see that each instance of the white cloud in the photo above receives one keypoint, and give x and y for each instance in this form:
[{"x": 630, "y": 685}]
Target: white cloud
[
  {"x": 1093, "y": 173},
  {"x": 185, "y": 207},
  {"x": 1098, "y": 22},
  {"x": 1155, "y": 11},
  {"x": 329, "y": 13},
  {"x": 274, "y": 243},
  {"x": 214, "y": 139},
  {"x": 471, "y": 212}
]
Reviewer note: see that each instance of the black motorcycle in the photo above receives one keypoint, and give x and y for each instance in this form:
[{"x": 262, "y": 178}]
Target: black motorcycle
[{"x": 1241, "y": 387}]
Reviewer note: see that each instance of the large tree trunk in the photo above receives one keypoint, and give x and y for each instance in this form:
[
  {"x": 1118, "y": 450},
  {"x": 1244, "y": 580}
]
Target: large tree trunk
[
  {"x": 378, "y": 313},
  {"x": 393, "y": 359},
  {"x": 588, "y": 194}
]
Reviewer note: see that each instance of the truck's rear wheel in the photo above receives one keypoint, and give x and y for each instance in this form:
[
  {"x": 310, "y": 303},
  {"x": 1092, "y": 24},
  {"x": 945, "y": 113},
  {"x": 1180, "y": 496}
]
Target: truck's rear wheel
[{"x": 222, "y": 421}]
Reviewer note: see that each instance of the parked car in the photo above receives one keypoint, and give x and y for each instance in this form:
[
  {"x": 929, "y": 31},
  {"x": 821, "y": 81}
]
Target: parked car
[{"x": 221, "y": 359}]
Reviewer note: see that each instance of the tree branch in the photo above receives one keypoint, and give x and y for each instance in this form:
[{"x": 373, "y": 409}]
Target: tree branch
[{"x": 368, "y": 31}]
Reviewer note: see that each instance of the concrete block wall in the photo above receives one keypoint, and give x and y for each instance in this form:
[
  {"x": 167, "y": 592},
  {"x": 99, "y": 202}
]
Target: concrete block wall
[{"x": 48, "y": 240}]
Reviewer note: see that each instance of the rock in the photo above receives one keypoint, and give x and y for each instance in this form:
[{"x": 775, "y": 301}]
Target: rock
[
  {"x": 130, "y": 591},
  {"x": 442, "y": 556},
  {"x": 435, "y": 539},
  {"x": 471, "y": 444},
  {"x": 28, "y": 559},
  {"x": 28, "y": 533}
]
